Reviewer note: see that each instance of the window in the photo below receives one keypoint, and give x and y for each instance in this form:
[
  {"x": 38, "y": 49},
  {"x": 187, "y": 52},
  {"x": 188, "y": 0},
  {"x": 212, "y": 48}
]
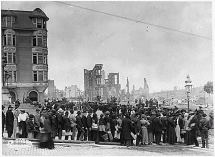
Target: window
[
  {"x": 39, "y": 58},
  {"x": 9, "y": 39},
  {"x": 39, "y": 22},
  {"x": 34, "y": 20},
  {"x": 10, "y": 57},
  {"x": 34, "y": 58},
  {"x": 10, "y": 76},
  {"x": 40, "y": 76},
  {"x": 40, "y": 40},
  {"x": 8, "y": 20},
  {"x": 35, "y": 76}
]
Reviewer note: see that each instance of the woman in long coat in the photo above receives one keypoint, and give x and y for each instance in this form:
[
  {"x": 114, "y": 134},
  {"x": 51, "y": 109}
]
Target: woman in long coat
[
  {"x": 16, "y": 113},
  {"x": 127, "y": 128},
  {"x": 9, "y": 121},
  {"x": 171, "y": 135}
]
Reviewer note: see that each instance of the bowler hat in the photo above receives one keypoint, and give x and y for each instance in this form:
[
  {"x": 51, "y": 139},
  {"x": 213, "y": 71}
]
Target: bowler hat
[{"x": 79, "y": 112}]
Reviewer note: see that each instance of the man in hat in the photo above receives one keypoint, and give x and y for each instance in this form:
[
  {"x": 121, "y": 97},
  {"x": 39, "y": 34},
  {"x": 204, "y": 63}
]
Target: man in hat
[
  {"x": 194, "y": 126},
  {"x": 37, "y": 121},
  {"x": 84, "y": 122},
  {"x": 157, "y": 124},
  {"x": 72, "y": 118},
  {"x": 89, "y": 124},
  {"x": 107, "y": 120},
  {"x": 54, "y": 124},
  {"x": 30, "y": 126},
  {"x": 204, "y": 126},
  {"x": 59, "y": 116},
  {"x": 3, "y": 120},
  {"x": 80, "y": 127},
  {"x": 9, "y": 121}
]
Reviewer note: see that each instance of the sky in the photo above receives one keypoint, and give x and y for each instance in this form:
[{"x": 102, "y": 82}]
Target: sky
[{"x": 79, "y": 38}]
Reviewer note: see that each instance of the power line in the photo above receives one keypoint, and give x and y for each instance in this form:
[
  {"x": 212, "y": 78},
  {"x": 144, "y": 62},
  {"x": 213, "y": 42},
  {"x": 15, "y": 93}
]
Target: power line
[{"x": 130, "y": 19}]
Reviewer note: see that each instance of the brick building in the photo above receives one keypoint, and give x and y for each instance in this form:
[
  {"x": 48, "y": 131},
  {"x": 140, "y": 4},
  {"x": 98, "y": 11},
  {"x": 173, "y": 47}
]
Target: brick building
[{"x": 24, "y": 51}]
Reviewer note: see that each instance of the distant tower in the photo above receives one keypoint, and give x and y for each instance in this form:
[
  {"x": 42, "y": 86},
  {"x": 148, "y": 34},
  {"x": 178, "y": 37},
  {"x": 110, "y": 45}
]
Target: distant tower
[{"x": 127, "y": 86}]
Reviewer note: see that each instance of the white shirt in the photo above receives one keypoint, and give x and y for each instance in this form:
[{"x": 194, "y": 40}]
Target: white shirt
[{"x": 22, "y": 117}]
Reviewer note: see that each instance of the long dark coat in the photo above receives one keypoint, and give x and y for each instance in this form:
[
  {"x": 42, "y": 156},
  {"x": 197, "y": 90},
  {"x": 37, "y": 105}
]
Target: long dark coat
[
  {"x": 127, "y": 128},
  {"x": 3, "y": 120},
  {"x": 171, "y": 135},
  {"x": 157, "y": 124},
  {"x": 9, "y": 120}
]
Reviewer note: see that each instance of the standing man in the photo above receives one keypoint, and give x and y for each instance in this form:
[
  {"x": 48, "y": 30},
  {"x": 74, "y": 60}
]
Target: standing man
[
  {"x": 73, "y": 123},
  {"x": 127, "y": 128},
  {"x": 9, "y": 121},
  {"x": 193, "y": 125},
  {"x": 204, "y": 126},
  {"x": 84, "y": 122},
  {"x": 59, "y": 115},
  {"x": 54, "y": 124},
  {"x": 37, "y": 122},
  {"x": 80, "y": 127},
  {"x": 89, "y": 124},
  {"x": 3, "y": 120},
  {"x": 164, "y": 121},
  {"x": 157, "y": 128}
]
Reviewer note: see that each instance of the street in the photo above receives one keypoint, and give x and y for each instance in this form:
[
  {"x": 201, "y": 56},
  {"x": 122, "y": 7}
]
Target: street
[{"x": 104, "y": 150}]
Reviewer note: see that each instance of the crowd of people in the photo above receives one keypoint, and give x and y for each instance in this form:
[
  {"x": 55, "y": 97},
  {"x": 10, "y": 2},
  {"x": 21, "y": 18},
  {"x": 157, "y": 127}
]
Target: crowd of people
[{"x": 124, "y": 124}]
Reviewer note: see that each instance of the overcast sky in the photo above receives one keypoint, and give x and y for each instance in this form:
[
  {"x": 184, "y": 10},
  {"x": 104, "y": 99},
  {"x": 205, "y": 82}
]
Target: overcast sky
[{"x": 78, "y": 39}]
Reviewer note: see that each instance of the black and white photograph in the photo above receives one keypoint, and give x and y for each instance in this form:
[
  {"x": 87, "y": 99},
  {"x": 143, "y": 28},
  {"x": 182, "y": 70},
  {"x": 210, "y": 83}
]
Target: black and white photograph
[{"x": 107, "y": 78}]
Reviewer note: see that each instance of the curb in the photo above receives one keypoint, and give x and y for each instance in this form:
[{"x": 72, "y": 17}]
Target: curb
[{"x": 56, "y": 141}]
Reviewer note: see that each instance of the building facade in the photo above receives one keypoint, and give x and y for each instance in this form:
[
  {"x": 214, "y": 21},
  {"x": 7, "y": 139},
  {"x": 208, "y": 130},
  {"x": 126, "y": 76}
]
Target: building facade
[
  {"x": 24, "y": 54},
  {"x": 93, "y": 86}
]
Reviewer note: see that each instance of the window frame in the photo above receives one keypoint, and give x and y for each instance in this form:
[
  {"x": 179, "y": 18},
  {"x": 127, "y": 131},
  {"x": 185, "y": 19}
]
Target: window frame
[
  {"x": 13, "y": 76},
  {"x": 13, "y": 57},
  {"x": 35, "y": 57},
  {"x": 40, "y": 25},
  {"x": 9, "y": 39},
  {"x": 38, "y": 76}
]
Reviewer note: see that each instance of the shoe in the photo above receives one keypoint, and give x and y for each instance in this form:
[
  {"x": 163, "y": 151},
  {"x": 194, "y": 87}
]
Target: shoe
[
  {"x": 195, "y": 146},
  {"x": 202, "y": 147}
]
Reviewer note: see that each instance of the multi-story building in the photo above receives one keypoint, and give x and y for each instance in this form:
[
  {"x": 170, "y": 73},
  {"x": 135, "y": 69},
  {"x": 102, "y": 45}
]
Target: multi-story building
[
  {"x": 51, "y": 89},
  {"x": 95, "y": 84},
  {"x": 92, "y": 83},
  {"x": 24, "y": 50}
]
